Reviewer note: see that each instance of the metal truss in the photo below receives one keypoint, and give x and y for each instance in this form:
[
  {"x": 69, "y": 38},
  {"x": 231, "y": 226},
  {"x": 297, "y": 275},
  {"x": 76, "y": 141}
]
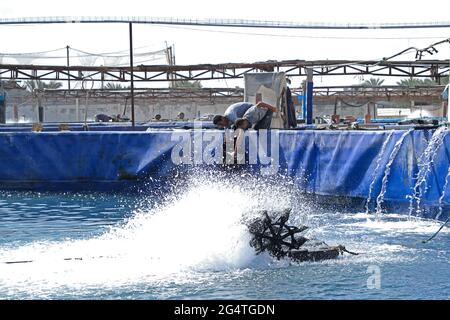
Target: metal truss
[
  {"x": 363, "y": 91},
  {"x": 434, "y": 69},
  {"x": 151, "y": 94},
  {"x": 325, "y": 93}
]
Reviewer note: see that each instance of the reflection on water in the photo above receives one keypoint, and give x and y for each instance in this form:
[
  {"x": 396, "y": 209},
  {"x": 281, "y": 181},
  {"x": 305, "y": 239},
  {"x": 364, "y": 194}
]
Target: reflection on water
[{"x": 33, "y": 216}]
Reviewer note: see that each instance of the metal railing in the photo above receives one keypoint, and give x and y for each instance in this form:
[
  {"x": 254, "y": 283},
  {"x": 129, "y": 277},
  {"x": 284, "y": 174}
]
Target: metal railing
[{"x": 221, "y": 22}]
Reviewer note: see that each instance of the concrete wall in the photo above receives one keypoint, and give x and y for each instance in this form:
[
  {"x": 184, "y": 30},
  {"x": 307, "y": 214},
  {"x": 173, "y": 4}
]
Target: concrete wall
[
  {"x": 63, "y": 112},
  {"x": 381, "y": 110},
  {"x": 60, "y": 109},
  {"x": 328, "y": 110},
  {"x": 71, "y": 111}
]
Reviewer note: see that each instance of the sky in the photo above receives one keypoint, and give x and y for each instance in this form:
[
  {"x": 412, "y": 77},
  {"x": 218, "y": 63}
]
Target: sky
[{"x": 220, "y": 45}]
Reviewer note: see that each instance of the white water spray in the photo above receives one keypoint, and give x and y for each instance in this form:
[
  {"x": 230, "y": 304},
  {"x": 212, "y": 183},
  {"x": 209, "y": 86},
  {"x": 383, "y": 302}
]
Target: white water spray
[
  {"x": 377, "y": 168},
  {"x": 387, "y": 171},
  {"x": 201, "y": 229},
  {"x": 441, "y": 198},
  {"x": 425, "y": 163},
  {"x": 193, "y": 240}
]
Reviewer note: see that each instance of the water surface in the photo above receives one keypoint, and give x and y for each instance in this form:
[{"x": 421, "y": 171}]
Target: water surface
[{"x": 194, "y": 245}]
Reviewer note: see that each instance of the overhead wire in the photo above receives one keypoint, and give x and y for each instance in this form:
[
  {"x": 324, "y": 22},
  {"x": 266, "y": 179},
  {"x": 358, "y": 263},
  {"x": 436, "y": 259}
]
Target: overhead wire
[
  {"x": 117, "y": 54},
  {"x": 299, "y": 36},
  {"x": 109, "y": 55}
]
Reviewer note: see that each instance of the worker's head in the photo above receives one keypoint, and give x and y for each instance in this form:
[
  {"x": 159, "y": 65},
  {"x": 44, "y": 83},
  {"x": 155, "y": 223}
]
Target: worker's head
[
  {"x": 242, "y": 124},
  {"x": 221, "y": 122},
  {"x": 158, "y": 117},
  {"x": 180, "y": 116}
]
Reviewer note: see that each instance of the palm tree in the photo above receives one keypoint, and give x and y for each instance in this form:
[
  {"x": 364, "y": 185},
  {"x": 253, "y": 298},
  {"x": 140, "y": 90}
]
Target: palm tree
[
  {"x": 373, "y": 82},
  {"x": 52, "y": 85},
  {"x": 414, "y": 82},
  {"x": 32, "y": 85},
  {"x": 444, "y": 80},
  {"x": 9, "y": 84},
  {"x": 116, "y": 86},
  {"x": 188, "y": 84}
]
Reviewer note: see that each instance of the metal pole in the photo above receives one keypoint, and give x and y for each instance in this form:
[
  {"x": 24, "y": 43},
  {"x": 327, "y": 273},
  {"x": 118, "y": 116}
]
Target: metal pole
[
  {"x": 40, "y": 109},
  {"x": 309, "y": 96},
  {"x": 131, "y": 74},
  {"x": 448, "y": 96},
  {"x": 77, "y": 107},
  {"x": 304, "y": 101},
  {"x": 68, "y": 70},
  {"x": 2, "y": 106}
]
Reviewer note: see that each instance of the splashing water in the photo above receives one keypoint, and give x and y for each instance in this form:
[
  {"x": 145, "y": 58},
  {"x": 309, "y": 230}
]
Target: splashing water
[
  {"x": 194, "y": 244},
  {"x": 387, "y": 171},
  {"x": 201, "y": 228},
  {"x": 425, "y": 163},
  {"x": 441, "y": 198},
  {"x": 377, "y": 168}
]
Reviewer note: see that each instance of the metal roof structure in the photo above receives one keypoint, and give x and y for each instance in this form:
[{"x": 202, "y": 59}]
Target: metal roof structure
[{"x": 150, "y": 73}]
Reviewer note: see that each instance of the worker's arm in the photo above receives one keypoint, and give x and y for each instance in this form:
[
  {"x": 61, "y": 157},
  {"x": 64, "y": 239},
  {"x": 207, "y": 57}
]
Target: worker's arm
[{"x": 266, "y": 106}]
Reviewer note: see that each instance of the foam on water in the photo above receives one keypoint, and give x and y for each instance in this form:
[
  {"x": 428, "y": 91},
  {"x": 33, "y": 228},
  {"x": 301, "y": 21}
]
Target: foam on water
[{"x": 398, "y": 224}]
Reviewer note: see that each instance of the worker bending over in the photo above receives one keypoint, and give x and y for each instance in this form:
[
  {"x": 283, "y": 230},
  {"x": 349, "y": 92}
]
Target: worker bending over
[
  {"x": 233, "y": 112},
  {"x": 257, "y": 117}
]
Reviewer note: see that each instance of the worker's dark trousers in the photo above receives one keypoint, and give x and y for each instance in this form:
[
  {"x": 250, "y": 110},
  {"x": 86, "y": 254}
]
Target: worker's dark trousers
[{"x": 265, "y": 122}]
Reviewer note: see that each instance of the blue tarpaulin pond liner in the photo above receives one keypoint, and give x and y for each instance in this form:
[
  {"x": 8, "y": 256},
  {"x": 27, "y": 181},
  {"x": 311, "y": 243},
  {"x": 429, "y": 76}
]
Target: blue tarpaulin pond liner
[
  {"x": 326, "y": 162},
  {"x": 106, "y": 126}
]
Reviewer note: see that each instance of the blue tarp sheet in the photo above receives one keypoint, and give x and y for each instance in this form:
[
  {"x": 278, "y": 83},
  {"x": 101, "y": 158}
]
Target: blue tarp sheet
[
  {"x": 107, "y": 126},
  {"x": 344, "y": 163},
  {"x": 338, "y": 163}
]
